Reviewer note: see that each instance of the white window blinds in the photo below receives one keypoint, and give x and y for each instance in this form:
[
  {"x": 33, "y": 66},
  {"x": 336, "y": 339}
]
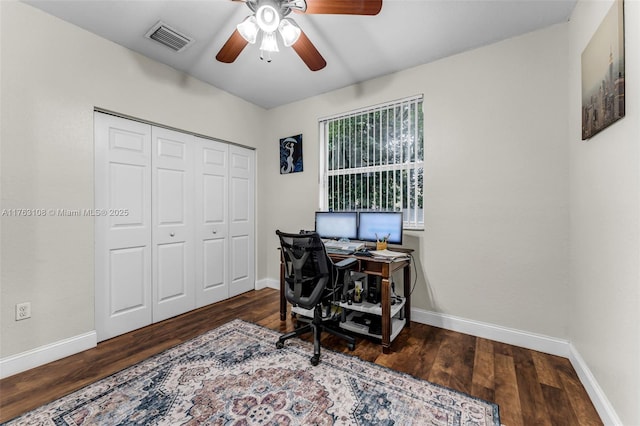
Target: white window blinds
[{"x": 373, "y": 159}]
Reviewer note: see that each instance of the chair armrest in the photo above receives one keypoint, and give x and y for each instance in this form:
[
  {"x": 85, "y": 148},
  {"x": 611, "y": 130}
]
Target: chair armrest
[{"x": 346, "y": 263}]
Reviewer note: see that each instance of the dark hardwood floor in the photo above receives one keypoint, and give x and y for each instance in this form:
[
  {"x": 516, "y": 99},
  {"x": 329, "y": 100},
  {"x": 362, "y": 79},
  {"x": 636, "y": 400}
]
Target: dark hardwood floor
[{"x": 530, "y": 387}]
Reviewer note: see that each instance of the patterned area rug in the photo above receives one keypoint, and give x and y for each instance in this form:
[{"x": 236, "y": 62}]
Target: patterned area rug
[{"x": 234, "y": 375}]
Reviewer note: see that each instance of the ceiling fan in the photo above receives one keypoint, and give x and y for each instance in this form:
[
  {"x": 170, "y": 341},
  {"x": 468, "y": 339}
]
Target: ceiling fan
[{"x": 270, "y": 19}]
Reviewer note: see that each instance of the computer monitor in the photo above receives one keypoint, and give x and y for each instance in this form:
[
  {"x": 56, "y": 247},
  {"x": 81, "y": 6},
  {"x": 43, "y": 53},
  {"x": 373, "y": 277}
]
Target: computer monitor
[
  {"x": 337, "y": 225},
  {"x": 378, "y": 225}
]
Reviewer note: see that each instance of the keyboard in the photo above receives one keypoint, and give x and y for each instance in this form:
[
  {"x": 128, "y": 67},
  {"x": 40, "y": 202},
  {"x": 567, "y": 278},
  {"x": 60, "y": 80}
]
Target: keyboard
[
  {"x": 336, "y": 250},
  {"x": 346, "y": 247}
]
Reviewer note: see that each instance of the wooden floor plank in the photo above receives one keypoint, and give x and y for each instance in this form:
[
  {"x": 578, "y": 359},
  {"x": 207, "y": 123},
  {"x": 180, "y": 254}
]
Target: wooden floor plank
[
  {"x": 483, "y": 365},
  {"x": 507, "y": 391},
  {"x": 529, "y": 389},
  {"x": 584, "y": 410},
  {"x": 446, "y": 358},
  {"x": 482, "y": 392},
  {"x": 544, "y": 368},
  {"x": 462, "y": 370},
  {"x": 485, "y": 369},
  {"x": 560, "y": 410},
  {"x": 430, "y": 341}
]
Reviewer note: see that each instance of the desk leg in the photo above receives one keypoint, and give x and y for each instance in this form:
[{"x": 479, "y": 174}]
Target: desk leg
[
  {"x": 386, "y": 315},
  {"x": 283, "y": 300},
  {"x": 407, "y": 294}
]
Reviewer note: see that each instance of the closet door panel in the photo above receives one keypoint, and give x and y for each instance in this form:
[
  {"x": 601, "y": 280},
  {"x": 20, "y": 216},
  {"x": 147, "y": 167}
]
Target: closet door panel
[
  {"x": 127, "y": 185},
  {"x": 171, "y": 272},
  {"x": 127, "y": 277},
  {"x": 173, "y": 236},
  {"x": 241, "y": 221},
  {"x": 123, "y": 300},
  {"x": 212, "y": 221},
  {"x": 240, "y": 264},
  {"x": 214, "y": 272},
  {"x": 172, "y": 196},
  {"x": 214, "y": 188},
  {"x": 186, "y": 237},
  {"x": 129, "y": 193}
]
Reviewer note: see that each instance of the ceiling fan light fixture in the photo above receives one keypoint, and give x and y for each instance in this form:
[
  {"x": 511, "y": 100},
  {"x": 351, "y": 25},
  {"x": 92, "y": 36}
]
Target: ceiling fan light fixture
[
  {"x": 268, "y": 16},
  {"x": 269, "y": 43},
  {"x": 249, "y": 29},
  {"x": 290, "y": 31}
]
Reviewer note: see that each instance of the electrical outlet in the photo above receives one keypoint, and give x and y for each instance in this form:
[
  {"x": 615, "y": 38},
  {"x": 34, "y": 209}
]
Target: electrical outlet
[{"x": 23, "y": 311}]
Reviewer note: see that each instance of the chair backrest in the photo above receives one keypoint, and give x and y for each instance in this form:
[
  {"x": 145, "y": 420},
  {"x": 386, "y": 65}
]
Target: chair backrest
[{"x": 307, "y": 268}]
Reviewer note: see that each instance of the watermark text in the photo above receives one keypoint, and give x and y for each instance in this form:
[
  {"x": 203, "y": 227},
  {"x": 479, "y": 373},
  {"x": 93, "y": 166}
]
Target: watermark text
[{"x": 64, "y": 212}]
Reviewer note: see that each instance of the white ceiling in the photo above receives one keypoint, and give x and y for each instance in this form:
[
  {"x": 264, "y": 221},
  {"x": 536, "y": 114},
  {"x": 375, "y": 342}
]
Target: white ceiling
[{"x": 406, "y": 33}]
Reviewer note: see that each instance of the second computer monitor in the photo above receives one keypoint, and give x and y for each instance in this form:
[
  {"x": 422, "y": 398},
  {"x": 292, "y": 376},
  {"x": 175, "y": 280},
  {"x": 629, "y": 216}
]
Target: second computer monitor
[
  {"x": 375, "y": 226},
  {"x": 337, "y": 225}
]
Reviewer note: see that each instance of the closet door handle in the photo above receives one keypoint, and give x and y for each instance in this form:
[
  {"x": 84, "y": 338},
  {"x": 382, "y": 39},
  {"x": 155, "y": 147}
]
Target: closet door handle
[{"x": 173, "y": 234}]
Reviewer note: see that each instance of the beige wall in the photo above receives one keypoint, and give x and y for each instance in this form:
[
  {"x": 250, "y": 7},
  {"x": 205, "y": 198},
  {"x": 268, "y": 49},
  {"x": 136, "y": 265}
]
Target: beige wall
[
  {"x": 495, "y": 247},
  {"x": 53, "y": 75},
  {"x": 604, "y": 314}
]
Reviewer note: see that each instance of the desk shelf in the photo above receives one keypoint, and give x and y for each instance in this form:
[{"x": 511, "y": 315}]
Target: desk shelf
[
  {"x": 373, "y": 308},
  {"x": 397, "y": 325},
  {"x": 397, "y": 318}
]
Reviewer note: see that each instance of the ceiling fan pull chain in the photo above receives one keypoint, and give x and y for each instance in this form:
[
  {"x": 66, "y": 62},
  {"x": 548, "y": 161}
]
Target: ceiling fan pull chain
[{"x": 265, "y": 55}]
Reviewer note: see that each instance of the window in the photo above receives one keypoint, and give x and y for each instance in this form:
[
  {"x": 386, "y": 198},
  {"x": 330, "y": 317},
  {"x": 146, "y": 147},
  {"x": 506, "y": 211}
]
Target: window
[{"x": 373, "y": 159}]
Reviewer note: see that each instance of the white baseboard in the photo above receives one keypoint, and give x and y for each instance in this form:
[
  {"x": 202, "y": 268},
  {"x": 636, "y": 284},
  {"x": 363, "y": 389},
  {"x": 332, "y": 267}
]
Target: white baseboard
[
  {"x": 268, "y": 283},
  {"x": 531, "y": 341},
  {"x": 507, "y": 335},
  {"x": 600, "y": 401},
  {"x": 44, "y": 354}
]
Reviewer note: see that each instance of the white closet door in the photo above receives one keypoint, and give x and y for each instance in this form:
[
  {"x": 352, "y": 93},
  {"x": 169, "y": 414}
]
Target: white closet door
[
  {"x": 241, "y": 219},
  {"x": 173, "y": 229},
  {"x": 123, "y": 300},
  {"x": 212, "y": 221}
]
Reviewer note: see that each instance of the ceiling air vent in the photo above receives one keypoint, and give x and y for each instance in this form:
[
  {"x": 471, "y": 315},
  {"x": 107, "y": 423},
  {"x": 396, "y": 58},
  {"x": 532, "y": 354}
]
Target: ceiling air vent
[{"x": 167, "y": 36}]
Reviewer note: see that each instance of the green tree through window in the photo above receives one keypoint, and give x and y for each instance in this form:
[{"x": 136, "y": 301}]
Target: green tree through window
[{"x": 374, "y": 160}]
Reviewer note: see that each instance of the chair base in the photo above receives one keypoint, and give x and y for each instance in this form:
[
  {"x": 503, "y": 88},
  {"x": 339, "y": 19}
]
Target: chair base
[{"x": 317, "y": 326}]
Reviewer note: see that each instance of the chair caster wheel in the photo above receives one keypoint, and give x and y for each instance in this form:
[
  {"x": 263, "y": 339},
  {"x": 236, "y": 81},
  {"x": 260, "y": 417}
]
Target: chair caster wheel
[
  {"x": 351, "y": 347},
  {"x": 315, "y": 360},
  {"x": 279, "y": 344}
]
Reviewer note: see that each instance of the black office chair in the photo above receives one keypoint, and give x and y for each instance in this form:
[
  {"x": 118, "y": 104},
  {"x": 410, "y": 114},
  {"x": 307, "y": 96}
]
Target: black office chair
[{"x": 312, "y": 281}]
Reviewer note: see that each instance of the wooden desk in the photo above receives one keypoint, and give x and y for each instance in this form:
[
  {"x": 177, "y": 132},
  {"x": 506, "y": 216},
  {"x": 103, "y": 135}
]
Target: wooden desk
[{"x": 383, "y": 268}]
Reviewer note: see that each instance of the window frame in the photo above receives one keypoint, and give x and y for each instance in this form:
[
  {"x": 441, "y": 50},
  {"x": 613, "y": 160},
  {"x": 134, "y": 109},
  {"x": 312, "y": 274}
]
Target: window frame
[{"x": 415, "y": 165}]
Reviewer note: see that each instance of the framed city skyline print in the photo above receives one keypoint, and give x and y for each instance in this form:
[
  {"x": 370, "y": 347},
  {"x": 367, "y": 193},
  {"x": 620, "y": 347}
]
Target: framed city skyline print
[
  {"x": 603, "y": 90},
  {"x": 291, "y": 154}
]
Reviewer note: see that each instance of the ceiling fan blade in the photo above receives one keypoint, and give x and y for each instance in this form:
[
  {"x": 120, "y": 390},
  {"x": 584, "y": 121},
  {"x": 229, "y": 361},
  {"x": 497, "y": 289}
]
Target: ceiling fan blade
[
  {"x": 232, "y": 48},
  {"x": 308, "y": 53},
  {"x": 344, "y": 7}
]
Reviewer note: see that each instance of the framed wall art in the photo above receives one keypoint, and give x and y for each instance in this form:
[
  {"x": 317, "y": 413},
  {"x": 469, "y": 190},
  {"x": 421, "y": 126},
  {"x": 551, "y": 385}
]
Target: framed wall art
[
  {"x": 603, "y": 101},
  {"x": 291, "y": 154}
]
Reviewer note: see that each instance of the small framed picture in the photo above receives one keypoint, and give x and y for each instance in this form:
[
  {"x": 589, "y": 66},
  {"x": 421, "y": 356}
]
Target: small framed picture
[{"x": 291, "y": 154}]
